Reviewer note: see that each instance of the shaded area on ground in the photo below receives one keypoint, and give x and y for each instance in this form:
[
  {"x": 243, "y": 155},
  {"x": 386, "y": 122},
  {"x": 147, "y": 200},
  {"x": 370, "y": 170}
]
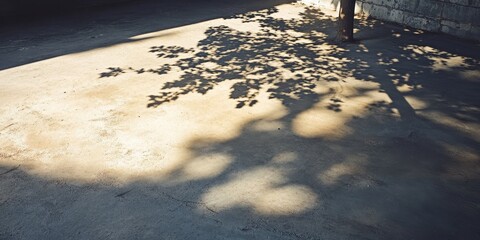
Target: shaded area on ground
[
  {"x": 12, "y": 10},
  {"x": 375, "y": 140},
  {"x": 30, "y": 40}
]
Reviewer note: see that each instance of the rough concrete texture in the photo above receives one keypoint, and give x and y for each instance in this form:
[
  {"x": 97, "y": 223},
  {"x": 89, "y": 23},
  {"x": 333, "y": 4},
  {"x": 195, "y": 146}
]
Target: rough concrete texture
[
  {"x": 236, "y": 120},
  {"x": 459, "y": 18},
  {"x": 14, "y": 10}
]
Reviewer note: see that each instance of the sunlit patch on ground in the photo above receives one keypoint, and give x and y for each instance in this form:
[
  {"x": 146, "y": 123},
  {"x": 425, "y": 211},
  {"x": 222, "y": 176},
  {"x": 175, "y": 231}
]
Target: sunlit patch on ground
[{"x": 264, "y": 190}]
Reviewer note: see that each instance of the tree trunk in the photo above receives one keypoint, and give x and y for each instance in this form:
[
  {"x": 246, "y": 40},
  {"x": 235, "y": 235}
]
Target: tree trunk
[{"x": 345, "y": 20}]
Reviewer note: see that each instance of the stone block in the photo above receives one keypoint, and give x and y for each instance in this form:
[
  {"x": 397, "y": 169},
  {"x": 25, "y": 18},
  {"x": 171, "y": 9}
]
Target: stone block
[
  {"x": 380, "y": 12},
  {"x": 459, "y": 13},
  {"x": 366, "y": 8},
  {"x": 422, "y": 23},
  {"x": 430, "y": 8},
  {"x": 461, "y": 2},
  {"x": 454, "y": 28},
  {"x": 406, "y": 5},
  {"x": 474, "y": 33},
  {"x": 396, "y": 16}
]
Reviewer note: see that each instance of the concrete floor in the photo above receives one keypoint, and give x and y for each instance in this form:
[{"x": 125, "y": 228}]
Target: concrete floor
[{"x": 235, "y": 120}]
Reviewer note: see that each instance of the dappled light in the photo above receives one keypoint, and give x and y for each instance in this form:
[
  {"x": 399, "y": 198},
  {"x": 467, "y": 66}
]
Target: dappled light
[
  {"x": 284, "y": 57},
  {"x": 351, "y": 166},
  {"x": 264, "y": 190},
  {"x": 255, "y": 122},
  {"x": 442, "y": 61}
]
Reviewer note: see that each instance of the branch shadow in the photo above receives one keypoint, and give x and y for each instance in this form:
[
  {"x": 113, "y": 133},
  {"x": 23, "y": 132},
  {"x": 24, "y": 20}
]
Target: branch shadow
[
  {"x": 289, "y": 59},
  {"x": 360, "y": 152}
]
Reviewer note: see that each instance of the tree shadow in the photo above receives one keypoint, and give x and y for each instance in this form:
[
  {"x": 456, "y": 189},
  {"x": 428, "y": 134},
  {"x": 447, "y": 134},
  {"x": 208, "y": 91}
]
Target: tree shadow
[
  {"x": 359, "y": 151},
  {"x": 286, "y": 66},
  {"x": 289, "y": 59},
  {"x": 393, "y": 154}
]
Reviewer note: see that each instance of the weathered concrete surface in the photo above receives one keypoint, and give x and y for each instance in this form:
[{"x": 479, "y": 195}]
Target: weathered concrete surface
[
  {"x": 224, "y": 126},
  {"x": 11, "y": 10},
  {"x": 455, "y": 17}
]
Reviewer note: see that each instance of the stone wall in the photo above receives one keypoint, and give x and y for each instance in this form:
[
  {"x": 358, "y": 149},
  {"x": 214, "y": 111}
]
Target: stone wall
[{"x": 456, "y": 17}]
